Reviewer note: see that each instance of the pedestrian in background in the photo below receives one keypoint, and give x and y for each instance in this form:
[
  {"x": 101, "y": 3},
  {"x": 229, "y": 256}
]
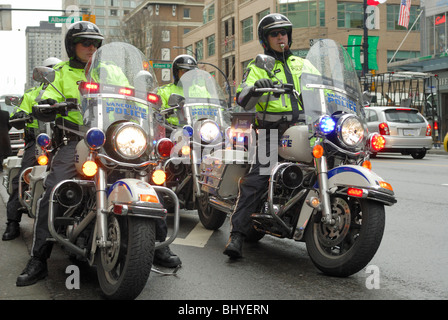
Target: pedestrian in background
[{"x": 5, "y": 143}]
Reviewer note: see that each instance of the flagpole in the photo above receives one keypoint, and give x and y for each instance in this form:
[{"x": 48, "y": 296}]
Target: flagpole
[{"x": 365, "y": 45}]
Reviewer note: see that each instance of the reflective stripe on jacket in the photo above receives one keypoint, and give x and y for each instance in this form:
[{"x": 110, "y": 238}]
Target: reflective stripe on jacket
[
  {"x": 277, "y": 107},
  {"x": 164, "y": 92},
  {"x": 66, "y": 82}
]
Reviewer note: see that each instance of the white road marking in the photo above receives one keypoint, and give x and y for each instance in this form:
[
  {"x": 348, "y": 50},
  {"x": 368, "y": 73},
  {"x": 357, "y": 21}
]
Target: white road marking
[{"x": 197, "y": 237}]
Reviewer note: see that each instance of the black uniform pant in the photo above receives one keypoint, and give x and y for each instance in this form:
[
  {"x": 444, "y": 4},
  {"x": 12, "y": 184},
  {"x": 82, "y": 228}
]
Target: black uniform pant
[
  {"x": 28, "y": 160},
  {"x": 255, "y": 183}
]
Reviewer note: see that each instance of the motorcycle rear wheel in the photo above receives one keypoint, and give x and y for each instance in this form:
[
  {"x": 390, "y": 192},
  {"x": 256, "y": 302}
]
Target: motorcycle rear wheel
[
  {"x": 123, "y": 269},
  {"x": 348, "y": 246}
]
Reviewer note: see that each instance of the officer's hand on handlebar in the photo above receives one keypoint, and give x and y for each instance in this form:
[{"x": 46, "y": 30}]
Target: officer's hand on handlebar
[
  {"x": 19, "y": 115},
  {"x": 48, "y": 101},
  {"x": 264, "y": 83}
]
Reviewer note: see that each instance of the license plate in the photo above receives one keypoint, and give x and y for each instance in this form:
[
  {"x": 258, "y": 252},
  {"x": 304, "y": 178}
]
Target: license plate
[{"x": 409, "y": 132}]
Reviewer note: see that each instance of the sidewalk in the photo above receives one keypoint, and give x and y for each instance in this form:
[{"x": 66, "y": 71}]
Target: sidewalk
[{"x": 14, "y": 255}]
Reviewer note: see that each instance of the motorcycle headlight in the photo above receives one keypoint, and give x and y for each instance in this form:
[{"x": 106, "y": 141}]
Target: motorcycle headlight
[
  {"x": 130, "y": 141},
  {"x": 209, "y": 131},
  {"x": 350, "y": 131}
]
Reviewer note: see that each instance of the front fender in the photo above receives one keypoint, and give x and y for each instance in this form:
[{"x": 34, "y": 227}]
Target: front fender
[
  {"x": 374, "y": 187},
  {"x": 135, "y": 198}
]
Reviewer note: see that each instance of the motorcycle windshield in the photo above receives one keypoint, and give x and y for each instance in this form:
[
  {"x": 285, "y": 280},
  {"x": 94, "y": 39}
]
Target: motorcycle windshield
[
  {"x": 333, "y": 85},
  {"x": 119, "y": 87},
  {"x": 204, "y": 99}
]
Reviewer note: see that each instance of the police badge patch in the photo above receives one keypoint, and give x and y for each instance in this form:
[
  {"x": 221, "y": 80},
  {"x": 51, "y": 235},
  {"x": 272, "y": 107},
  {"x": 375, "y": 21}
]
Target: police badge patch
[{"x": 246, "y": 74}]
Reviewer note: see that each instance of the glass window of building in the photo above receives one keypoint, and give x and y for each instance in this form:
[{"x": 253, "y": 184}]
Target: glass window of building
[
  {"x": 350, "y": 15},
  {"x": 402, "y": 55},
  {"x": 247, "y": 30},
  {"x": 209, "y": 13},
  {"x": 393, "y": 11},
  {"x": 436, "y": 30},
  {"x": 99, "y": 3},
  {"x": 98, "y": 12},
  {"x": 187, "y": 13},
  {"x": 84, "y": 2},
  {"x": 262, "y": 14},
  {"x": 301, "y": 13},
  {"x": 199, "y": 50},
  {"x": 211, "y": 45}
]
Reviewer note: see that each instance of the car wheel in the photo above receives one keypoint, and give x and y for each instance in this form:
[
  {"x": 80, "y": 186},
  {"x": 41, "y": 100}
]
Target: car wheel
[{"x": 418, "y": 154}]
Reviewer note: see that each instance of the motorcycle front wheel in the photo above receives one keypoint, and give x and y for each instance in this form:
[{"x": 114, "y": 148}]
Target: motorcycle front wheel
[
  {"x": 347, "y": 246},
  {"x": 123, "y": 268},
  {"x": 211, "y": 218}
]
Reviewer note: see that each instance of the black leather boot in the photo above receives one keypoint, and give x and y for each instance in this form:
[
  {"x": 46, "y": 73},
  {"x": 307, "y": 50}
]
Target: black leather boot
[
  {"x": 12, "y": 231},
  {"x": 34, "y": 271},
  {"x": 166, "y": 258},
  {"x": 234, "y": 247}
]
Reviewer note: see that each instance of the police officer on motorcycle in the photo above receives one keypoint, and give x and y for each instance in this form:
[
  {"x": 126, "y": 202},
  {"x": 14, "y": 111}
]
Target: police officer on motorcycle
[
  {"x": 81, "y": 41},
  {"x": 14, "y": 214},
  {"x": 181, "y": 64},
  {"x": 274, "y": 114}
]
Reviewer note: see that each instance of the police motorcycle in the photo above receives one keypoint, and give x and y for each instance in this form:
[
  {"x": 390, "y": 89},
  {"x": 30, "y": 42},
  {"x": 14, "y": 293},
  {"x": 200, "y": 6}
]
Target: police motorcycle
[
  {"x": 111, "y": 209},
  {"x": 30, "y": 180},
  {"x": 203, "y": 112},
  {"x": 12, "y": 164},
  {"x": 322, "y": 191}
]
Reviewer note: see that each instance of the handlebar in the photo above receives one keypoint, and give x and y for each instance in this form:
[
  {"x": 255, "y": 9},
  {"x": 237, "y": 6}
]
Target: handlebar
[{"x": 61, "y": 107}]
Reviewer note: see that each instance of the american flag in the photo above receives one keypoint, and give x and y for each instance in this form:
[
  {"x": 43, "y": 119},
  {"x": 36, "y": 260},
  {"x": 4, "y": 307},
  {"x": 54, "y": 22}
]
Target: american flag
[{"x": 403, "y": 17}]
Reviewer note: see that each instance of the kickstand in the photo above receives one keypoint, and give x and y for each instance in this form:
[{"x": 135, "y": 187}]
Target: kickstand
[{"x": 174, "y": 273}]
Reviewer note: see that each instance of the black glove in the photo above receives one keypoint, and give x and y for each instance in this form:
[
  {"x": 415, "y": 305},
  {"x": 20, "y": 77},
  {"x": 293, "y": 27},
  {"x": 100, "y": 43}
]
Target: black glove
[
  {"x": 48, "y": 101},
  {"x": 264, "y": 83},
  {"x": 19, "y": 115}
]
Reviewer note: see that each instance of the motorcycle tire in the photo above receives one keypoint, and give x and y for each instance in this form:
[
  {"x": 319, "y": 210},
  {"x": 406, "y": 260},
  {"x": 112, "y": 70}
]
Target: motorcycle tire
[
  {"x": 211, "y": 218},
  {"x": 123, "y": 269},
  {"x": 348, "y": 246}
]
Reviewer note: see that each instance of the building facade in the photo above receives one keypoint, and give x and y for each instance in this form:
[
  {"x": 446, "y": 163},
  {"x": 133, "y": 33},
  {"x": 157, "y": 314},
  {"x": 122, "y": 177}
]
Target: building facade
[
  {"x": 434, "y": 60},
  {"x": 229, "y": 37},
  {"x": 157, "y": 28},
  {"x": 42, "y": 42}
]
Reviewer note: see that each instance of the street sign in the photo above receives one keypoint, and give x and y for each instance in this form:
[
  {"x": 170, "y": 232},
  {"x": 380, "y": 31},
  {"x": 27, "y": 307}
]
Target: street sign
[
  {"x": 56, "y": 19},
  {"x": 162, "y": 65}
]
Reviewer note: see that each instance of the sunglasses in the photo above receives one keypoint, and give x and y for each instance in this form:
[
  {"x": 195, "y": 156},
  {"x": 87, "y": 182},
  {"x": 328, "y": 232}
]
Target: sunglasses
[
  {"x": 88, "y": 42},
  {"x": 276, "y": 33}
]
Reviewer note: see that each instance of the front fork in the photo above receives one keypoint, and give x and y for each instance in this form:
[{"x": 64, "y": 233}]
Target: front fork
[
  {"x": 322, "y": 178},
  {"x": 101, "y": 205}
]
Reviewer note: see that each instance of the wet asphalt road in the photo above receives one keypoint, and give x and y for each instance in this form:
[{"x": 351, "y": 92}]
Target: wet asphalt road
[{"x": 410, "y": 263}]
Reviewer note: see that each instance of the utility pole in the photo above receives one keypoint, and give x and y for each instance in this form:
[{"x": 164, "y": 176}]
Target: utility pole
[{"x": 365, "y": 45}]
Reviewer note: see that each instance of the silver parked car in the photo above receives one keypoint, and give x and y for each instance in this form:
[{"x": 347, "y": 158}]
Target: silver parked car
[{"x": 405, "y": 129}]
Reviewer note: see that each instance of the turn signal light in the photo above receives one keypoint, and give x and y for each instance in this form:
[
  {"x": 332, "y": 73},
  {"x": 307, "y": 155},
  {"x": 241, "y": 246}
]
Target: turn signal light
[
  {"x": 149, "y": 198},
  {"x": 318, "y": 151},
  {"x": 367, "y": 164},
  {"x": 159, "y": 177},
  {"x": 42, "y": 160},
  {"x": 385, "y": 185},
  {"x": 89, "y": 168},
  {"x": 186, "y": 150}
]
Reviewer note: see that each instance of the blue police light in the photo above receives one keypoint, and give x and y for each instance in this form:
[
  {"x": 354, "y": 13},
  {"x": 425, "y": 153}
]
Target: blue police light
[
  {"x": 43, "y": 140},
  {"x": 327, "y": 124},
  {"x": 187, "y": 131},
  {"x": 95, "y": 138}
]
